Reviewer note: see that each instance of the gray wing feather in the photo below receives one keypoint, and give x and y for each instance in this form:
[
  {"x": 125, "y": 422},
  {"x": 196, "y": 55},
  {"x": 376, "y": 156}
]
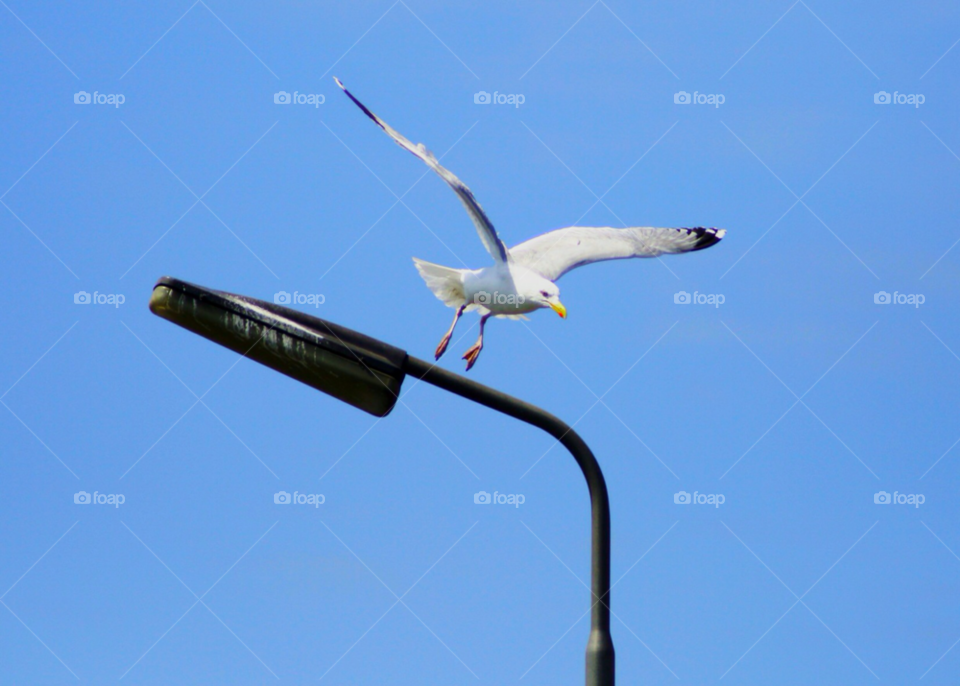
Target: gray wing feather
[
  {"x": 491, "y": 241},
  {"x": 555, "y": 253}
]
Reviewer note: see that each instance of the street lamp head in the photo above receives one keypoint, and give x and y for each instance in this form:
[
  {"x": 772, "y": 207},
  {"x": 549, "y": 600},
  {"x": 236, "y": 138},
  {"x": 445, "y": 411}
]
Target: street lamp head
[{"x": 354, "y": 368}]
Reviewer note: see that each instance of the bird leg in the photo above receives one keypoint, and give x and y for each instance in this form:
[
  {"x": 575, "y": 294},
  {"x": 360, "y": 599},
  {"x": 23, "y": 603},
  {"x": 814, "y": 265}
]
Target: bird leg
[
  {"x": 442, "y": 348},
  {"x": 474, "y": 351}
]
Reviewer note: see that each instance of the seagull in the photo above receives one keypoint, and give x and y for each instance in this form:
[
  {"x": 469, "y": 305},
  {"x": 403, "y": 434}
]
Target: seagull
[{"x": 523, "y": 278}]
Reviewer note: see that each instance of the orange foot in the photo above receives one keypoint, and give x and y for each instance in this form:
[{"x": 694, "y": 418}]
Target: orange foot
[
  {"x": 442, "y": 348},
  {"x": 472, "y": 354}
]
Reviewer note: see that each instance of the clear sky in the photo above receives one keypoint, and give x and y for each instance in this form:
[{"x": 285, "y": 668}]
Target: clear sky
[{"x": 797, "y": 398}]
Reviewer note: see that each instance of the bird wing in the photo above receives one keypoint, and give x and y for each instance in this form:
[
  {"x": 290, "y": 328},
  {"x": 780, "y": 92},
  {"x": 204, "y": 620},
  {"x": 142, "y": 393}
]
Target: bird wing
[
  {"x": 555, "y": 253},
  {"x": 491, "y": 241}
]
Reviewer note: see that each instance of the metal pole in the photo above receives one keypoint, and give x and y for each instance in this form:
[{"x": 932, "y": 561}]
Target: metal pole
[{"x": 600, "y": 653}]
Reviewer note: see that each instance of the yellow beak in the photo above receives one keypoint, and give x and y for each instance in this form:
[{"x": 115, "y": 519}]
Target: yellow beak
[{"x": 559, "y": 309}]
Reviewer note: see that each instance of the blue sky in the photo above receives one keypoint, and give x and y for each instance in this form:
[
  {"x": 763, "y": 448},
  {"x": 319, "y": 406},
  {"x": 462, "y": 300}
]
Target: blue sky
[{"x": 798, "y": 398}]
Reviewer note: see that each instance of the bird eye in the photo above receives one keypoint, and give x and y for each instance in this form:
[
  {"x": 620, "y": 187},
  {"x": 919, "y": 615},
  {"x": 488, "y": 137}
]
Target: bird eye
[{"x": 544, "y": 294}]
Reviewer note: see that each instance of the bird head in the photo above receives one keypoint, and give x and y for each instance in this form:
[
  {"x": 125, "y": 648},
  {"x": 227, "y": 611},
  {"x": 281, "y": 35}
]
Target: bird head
[{"x": 548, "y": 295}]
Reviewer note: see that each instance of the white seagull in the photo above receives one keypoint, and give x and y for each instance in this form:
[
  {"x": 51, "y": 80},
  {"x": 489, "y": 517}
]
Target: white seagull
[{"x": 522, "y": 278}]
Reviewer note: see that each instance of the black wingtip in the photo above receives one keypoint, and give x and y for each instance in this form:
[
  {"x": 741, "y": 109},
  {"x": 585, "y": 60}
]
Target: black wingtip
[
  {"x": 359, "y": 104},
  {"x": 706, "y": 236}
]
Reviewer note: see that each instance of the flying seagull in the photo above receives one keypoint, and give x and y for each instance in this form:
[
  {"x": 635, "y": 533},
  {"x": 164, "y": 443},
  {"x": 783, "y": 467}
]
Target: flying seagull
[{"x": 522, "y": 278}]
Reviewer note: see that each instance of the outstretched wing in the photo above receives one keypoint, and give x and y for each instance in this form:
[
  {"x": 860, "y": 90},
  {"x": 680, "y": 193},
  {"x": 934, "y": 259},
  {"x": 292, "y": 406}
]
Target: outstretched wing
[
  {"x": 555, "y": 253},
  {"x": 491, "y": 241}
]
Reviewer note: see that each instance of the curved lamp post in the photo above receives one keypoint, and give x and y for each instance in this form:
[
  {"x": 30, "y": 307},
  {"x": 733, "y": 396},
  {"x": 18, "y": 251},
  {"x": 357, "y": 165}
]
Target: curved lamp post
[{"x": 368, "y": 374}]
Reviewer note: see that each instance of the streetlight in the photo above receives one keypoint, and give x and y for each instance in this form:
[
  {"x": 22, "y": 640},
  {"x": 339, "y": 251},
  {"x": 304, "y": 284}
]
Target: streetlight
[{"x": 368, "y": 374}]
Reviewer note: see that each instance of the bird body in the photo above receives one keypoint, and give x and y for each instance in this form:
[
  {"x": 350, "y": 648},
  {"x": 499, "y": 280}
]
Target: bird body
[
  {"x": 522, "y": 279},
  {"x": 507, "y": 289}
]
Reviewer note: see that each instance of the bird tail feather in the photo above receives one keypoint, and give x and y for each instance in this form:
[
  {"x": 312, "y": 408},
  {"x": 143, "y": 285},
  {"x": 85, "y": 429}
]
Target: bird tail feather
[{"x": 445, "y": 282}]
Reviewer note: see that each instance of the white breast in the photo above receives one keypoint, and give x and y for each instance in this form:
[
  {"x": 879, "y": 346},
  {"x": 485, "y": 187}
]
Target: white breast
[{"x": 497, "y": 290}]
